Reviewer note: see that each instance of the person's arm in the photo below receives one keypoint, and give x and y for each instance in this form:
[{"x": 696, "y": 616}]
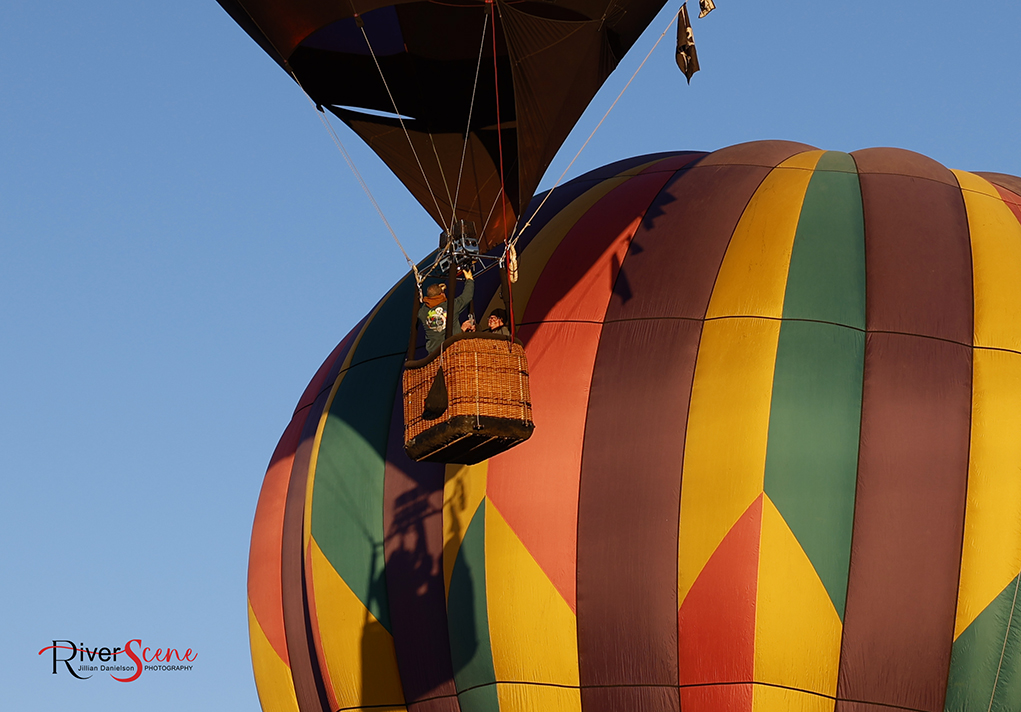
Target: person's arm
[{"x": 466, "y": 296}]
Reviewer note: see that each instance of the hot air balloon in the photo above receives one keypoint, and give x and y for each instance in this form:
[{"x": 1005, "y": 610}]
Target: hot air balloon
[
  {"x": 776, "y": 464},
  {"x": 466, "y": 101}
]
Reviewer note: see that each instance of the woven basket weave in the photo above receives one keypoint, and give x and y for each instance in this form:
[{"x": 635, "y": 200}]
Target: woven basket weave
[{"x": 488, "y": 399}]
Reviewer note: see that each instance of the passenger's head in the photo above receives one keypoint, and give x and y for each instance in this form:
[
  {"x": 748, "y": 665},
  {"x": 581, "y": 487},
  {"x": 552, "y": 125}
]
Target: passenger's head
[
  {"x": 498, "y": 318},
  {"x": 435, "y": 289}
]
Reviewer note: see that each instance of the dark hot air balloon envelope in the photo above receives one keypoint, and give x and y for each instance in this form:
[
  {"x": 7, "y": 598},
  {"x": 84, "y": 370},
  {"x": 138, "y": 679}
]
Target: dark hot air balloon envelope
[{"x": 541, "y": 63}]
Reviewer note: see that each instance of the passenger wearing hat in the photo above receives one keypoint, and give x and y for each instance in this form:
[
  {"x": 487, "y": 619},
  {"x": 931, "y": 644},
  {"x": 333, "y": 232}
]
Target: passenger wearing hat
[
  {"x": 433, "y": 312},
  {"x": 498, "y": 322}
]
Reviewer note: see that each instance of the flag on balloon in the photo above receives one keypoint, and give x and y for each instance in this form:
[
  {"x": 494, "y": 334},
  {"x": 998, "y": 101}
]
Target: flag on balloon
[{"x": 687, "y": 57}]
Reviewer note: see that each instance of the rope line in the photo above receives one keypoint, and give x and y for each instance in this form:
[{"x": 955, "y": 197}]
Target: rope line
[
  {"x": 499, "y": 126},
  {"x": 400, "y": 118},
  {"x": 440, "y": 166},
  {"x": 490, "y": 215},
  {"x": 467, "y": 129},
  {"x": 518, "y": 233},
  {"x": 361, "y": 181}
]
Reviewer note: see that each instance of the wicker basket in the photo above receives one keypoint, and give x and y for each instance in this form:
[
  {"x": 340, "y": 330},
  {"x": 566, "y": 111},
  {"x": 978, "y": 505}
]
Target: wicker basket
[{"x": 488, "y": 406}]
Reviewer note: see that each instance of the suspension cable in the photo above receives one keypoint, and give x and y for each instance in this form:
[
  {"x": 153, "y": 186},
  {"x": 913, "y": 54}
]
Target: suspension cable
[
  {"x": 518, "y": 233},
  {"x": 400, "y": 118},
  {"x": 467, "y": 129},
  {"x": 439, "y": 165},
  {"x": 361, "y": 181},
  {"x": 499, "y": 126},
  {"x": 489, "y": 215}
]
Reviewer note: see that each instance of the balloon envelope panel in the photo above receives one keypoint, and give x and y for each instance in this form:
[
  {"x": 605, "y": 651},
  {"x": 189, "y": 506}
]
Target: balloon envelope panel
[
  {"x": 467, "y": 102},
  {"x": 777, "y": 392}
]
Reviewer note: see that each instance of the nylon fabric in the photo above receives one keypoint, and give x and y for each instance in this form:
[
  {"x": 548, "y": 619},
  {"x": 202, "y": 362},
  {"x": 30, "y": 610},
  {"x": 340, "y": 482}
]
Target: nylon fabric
[
  {"x": 908, "y": 521},
  {"x": 991, "y": 555},
  {"x": 524, "y": 698},
  {"x": 992, "y": 539},
  {"x": 327, "y": 373},
  {"x": 812, "y": 453},
  {"x": 552, "y": 59},
  {"x": 312, "y": 685},
  {"x": 915, "y": 431},
  {"x": 777, "y": 401},
  {"x": 464, "y": 487},
  {"x": 985, "y": 670},
  {"x": 570, "y": 300},
  {"x": 532, "y": 262},
  {"x": 468, "y": 619},
  {"x": 358, "y": 650},
  {"x": 918, "y": 255},
  {"x": 826, "y": 281},
  {"x": 264, "y": 592},
  {"x": 285, "y": 569},
  {"x": 533, "y": 632},
  {"x": 728, "y": 428},
  {"x": 627, "y": 634},
  {"x": 351, "y": 457},
  {"x": 731, "y": 394},
  {"x": 797, "y": 629},
  {"x": 272, "y": 674},
  {"x": 753, "y": 277},
  {"x": 812, "y": 456},
  {"x": 716, "y": 622},
  {"x": 777, "y": 699},
  {"x": 699, "y": 207},
  {"x": 765, "y": 154},
  {"x": 736, "y": 697},
  {"x": 557, "y": 66},
  {"x": 1006, "y": 183},
  {"x": 996, "y": 262},
  {"x": 413, "y": 521},
  {"x": 349, "y": 478},
  {"x": 363, "y": 563}
]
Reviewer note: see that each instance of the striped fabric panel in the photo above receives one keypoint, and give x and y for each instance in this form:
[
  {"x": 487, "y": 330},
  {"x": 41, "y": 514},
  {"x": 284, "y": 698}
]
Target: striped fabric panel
[
  {"x": 265, "y": 597},
  {"x": 343, "y": 513},
  {"x": 535, "y": 485},
  {"x": 812, "y": 449},
  {"x": 723, "y": 509},
  {"x": 311, "y": 684},
  {"x": 985, "y": 670},
  {"x": 916, "y": 412},
  {"x": 413, "y": 548},
  {"x": 266, "y": 579},
  {"x": 471, "y": 652}
]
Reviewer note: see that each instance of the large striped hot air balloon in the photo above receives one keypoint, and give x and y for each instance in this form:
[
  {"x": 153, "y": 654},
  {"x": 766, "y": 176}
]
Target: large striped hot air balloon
[{"x": 776, "y": 464}]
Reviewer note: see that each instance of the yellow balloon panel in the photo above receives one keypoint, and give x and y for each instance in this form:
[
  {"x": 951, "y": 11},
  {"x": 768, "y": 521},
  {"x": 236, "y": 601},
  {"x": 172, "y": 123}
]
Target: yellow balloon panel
[
  {"x": 991, "y": 556},
  {"x": 753, "y": 277},
  {"x": 776, "y": 699},
  {"x": 358, "y": 652},
  {"x": 464, "y": 487},
  {"x": 728, "y": 425},
  {"x": 797, "y": 629},
  {"x": 528, "y": 698},
  {"x": 272, "y": 676},
  {"x": 996, "y": 264},
  {"x": 533, "y": 631}
]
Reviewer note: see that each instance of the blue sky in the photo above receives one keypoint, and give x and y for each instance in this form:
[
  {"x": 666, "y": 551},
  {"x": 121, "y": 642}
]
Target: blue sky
[{"x": 181, "y": 246}]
